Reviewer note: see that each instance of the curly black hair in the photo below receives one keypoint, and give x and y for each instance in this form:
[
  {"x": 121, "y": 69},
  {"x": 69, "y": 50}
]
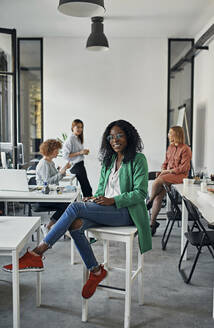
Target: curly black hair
[{"x": 134, "y": 143}]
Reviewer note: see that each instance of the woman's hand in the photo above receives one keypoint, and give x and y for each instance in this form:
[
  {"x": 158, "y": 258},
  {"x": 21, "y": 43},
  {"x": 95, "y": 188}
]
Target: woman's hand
[
  {"x": 67, "y": 166},
  {"x": 101, "y": 200},
  {"x": 88, "y": 199},
  {"x": 165, "y": 172},
  {"x": 84, "y": 152}
]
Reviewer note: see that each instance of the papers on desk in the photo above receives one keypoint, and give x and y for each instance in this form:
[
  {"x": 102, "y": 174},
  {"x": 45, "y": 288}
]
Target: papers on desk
[
  {"x": 69, "y": 188},
  {"x": 207, "y": 197},
  {"x": 55, "y": 188}
]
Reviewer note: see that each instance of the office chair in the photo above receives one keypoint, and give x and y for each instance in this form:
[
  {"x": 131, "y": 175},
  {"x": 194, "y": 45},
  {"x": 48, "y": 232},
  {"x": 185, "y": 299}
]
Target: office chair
[
  {"x": 174, "y": 215},
  {"x": 199, "y": 239}
]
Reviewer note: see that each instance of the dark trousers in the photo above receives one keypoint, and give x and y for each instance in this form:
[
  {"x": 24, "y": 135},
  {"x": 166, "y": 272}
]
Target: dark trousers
[
  {"x": 59, "y": 209},
  {"x": 81, "y": 175}
]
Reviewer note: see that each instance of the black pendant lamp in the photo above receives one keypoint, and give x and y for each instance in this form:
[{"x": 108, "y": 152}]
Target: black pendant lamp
[
  {"x": 82, "y": 8},
  {"x": 97, "y": 40}
]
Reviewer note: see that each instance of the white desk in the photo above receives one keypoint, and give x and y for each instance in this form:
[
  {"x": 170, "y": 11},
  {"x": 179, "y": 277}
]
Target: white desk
[
  {"x": 200, "y": 200},
  {"x": 38, "y": 196},
  {"x": 67, "y": 177},
  {"x": 203, "y": 201},
  {"x": 14, "y": 234}
]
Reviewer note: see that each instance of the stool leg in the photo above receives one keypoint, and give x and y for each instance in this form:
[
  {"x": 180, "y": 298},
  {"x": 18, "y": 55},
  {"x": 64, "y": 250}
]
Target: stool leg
[
  {"x": 129, "y": 247},
  {"x": 140, "y": 278},
  {"x": 85, "y": 301},
  {"x": 213, "y": 301},
  {"x": 72, "y": 251},
  {"x": 106, "y": 261}
]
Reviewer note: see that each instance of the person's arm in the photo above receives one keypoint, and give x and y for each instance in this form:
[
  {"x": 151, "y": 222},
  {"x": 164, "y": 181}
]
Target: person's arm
[
  {"x": 165, "y": 163},
  {"x": 63, "y": 170},
  {"x": 67, "y": 149},
  {"x": 140, "y": 185},
  {"x": 184, "y": 166},
  {"x": 81, "y": 152}
]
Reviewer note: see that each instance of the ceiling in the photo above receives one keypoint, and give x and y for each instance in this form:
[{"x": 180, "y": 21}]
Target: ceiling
[{"x": 124, "y": 18}]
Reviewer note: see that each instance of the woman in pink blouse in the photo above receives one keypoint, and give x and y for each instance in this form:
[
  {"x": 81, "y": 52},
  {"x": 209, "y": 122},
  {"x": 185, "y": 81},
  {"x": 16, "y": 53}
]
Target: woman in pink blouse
[{"x": 174, "y": 169}]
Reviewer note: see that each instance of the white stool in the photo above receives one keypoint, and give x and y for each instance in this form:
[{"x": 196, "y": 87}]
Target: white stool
[{"x": 125, "y": 235}]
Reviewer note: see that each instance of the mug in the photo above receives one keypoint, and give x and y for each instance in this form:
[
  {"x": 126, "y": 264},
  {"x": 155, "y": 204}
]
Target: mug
[
  {"x": 186, "y": 182},
  {"x": 203, "y": 186}
]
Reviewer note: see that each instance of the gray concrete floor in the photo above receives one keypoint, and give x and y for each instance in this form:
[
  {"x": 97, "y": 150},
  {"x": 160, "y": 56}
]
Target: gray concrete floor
[{"x": 169, "y": 302}]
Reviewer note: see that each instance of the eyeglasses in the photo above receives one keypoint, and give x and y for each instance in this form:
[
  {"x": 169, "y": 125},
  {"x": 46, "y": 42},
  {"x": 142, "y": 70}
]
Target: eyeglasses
[{"x": 116, "y": 136}]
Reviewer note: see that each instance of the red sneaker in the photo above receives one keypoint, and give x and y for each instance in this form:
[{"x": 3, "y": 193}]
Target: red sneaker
[
  {"x": 92, "y": 283},
  {"x": 28, "y": 262}
]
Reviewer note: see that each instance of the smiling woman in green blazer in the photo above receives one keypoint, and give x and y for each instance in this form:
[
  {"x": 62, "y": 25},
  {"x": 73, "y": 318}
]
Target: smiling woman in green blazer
[
  {"x": 133, "y": 179},
  {"x": 119, "y": 201}
]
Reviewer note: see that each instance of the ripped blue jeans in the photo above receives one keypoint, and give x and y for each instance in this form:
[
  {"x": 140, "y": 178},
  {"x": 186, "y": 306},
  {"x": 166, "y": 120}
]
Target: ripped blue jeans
[{"x": 92, "y": 215}]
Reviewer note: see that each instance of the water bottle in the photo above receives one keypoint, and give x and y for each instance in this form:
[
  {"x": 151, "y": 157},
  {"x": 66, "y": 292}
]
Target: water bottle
[
  {"x": 204, "y": 181},
  {"x": 205, "y": 175},
  {"x": 45, "y": 188}
]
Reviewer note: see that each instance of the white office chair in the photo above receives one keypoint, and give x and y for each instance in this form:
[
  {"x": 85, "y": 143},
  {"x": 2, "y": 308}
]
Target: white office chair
[{"x": 125, "y": 235}]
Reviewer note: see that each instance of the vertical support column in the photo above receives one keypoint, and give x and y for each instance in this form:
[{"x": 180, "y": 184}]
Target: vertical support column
[
  {"x": 184, "y": 228},
  {"x": 140, "y": 278},
  {"x": 38, "y": 276},
  {"x": 129, "y": 247},
  {"x": 16, "y": 294}
]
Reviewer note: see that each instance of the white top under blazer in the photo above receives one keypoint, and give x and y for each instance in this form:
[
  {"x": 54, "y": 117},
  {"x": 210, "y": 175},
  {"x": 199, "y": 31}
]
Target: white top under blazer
[{"x": 113, "y": 184}]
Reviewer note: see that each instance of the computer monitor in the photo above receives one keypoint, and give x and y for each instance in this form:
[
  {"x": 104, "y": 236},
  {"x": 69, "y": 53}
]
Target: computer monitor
[
  {"x": 7, "y": 148},
  {"x": 13, "y": 180}
]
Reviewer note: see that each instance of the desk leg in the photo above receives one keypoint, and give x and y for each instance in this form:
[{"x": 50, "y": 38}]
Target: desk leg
[
  {"x": 16, "y": 295},
  {"x": 79, "y": 197},
  {"x": 213, "y": 301},
  {"x": 5, "y": 208},
  {"x": 184, "y": 228},
  {"x": 38, "y": 278}
]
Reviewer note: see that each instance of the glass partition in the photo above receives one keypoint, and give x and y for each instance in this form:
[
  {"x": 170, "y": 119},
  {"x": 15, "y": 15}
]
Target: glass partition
[
  {"x": 30, "y": 95},
  {"x": 180, "y": 86},
  {"x": 5, "y": 53},
  {"x": 8, "y": 104}
]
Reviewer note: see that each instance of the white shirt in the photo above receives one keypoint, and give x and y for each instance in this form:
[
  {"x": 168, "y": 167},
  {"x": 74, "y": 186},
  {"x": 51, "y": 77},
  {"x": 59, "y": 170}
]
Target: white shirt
[
  {"x": 113, "y": 184},
  {"x": 72, "y": 145}
]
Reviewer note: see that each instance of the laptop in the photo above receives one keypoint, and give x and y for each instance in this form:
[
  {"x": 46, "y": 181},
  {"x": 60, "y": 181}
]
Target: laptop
[{"x": 13, "y": 180}]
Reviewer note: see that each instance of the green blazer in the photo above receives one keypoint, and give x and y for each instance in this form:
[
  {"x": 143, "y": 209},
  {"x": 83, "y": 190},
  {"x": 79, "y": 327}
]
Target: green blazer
[{"x": 133, "y": 177}]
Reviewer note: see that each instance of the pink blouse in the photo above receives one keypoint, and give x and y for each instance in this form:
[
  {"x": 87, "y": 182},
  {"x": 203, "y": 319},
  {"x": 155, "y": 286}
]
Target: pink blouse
[{"x": 178, "y": 159}]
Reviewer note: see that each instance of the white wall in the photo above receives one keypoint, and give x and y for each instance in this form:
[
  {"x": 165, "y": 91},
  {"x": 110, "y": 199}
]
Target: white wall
[
  {"x": 127, "y": 82},
  {"x": 203, "y": 128}
]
